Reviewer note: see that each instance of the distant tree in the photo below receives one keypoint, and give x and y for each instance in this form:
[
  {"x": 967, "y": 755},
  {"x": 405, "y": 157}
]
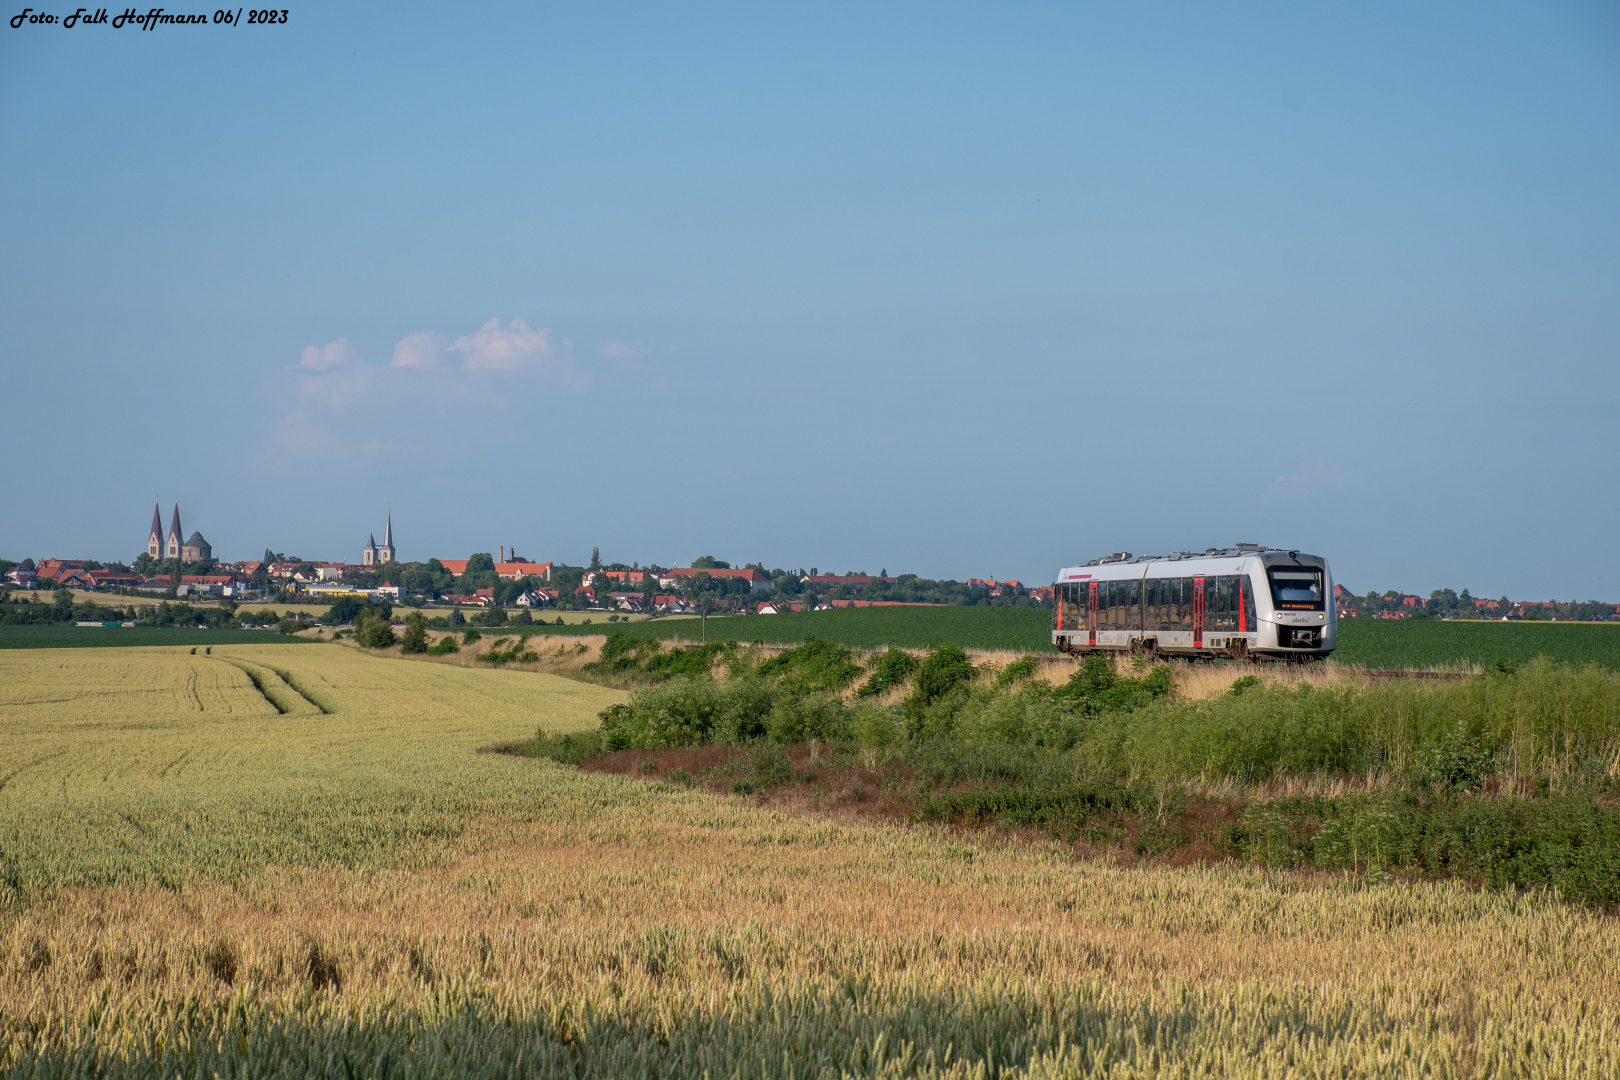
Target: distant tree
[
  {"x": 709, "y": 562},
  {"x": 523, "y": 618},
  {"x": 374, "y": 632},
  {"x": 414, "y": 640},
  {"x": 92, "y": 564},
  {"x": 456, "y": 617},
  {"x": 345, "y": 609},
  {"x": 62, "y": 609},
  {"x": 28, "y": 564},
  {"x": 480, "y": 563},
  {"x": 596, "y": 558}
]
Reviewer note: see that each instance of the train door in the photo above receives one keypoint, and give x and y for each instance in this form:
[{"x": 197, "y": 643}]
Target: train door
[
  {"x": 1091, "y": 613},
  {"x": 1198, "y": 612}
]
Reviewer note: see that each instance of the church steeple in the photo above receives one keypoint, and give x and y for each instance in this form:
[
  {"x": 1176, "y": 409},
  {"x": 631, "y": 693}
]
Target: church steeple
[
  {"x": 154, "y": 539},
  {"x": 177, "y": 539},
  {"x": 385, "y": 553}
]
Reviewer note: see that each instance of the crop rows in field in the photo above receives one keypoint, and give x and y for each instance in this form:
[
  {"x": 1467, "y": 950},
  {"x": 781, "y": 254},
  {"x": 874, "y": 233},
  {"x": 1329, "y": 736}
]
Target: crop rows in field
[
  {"x": 115, "y": 637},
  {"x": 1022, "y": 629},
  {"x": 1420, "y": 643},
  {"x": 1372, "y": 643},
  {"x": 130, "y": 765}
]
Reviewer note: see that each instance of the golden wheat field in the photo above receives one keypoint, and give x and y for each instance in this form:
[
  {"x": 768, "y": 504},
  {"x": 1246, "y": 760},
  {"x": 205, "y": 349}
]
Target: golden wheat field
[{"x": 278, "y": 862}]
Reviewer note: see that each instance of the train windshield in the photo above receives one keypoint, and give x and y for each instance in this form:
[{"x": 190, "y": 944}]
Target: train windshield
[{"x": 1297, "y": 588}]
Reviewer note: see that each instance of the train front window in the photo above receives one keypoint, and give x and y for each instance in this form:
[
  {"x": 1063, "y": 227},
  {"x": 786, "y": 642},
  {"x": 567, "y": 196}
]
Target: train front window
[{"x": 1297, "y": 589}]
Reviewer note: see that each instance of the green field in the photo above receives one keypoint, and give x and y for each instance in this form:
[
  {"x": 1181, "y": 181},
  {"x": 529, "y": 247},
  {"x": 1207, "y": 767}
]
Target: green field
[
  {"x": 1024, "y": 629},
  {"x": 105, "y": 637},
  {"x": 1418, "y": 643},
  {"x": 1373, "y": 643}
]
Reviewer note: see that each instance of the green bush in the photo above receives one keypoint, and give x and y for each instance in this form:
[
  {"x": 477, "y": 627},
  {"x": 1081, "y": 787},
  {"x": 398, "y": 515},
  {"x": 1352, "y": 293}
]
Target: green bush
[
  {"x": 797, "y": 718},
  {"x": 1023, "y": 669},
  {"x": 446, "y": 644},
  {"x": 945, "y": 669},
  {"x": 690, "y": 711},
  {"x": 891, "y": 669},
  {"x": 571, "y": 749},
  {"x": 375, "y": 633},
  {"x": 812, "y": 666}
]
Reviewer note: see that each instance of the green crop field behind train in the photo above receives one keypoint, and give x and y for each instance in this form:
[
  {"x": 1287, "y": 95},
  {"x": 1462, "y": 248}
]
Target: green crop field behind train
[{"x": 1371, "y": 643}]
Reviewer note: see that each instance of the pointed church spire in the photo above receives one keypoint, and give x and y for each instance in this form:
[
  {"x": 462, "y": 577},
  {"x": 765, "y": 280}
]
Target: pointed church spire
[
  {"x": 388, "y": 533},
  {"x": 171, "y": 550},
  {"x": 157, "y": 523}
]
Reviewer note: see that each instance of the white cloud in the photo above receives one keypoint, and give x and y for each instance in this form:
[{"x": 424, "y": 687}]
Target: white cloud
[
  {"x": 419, "y": 350},
  {"x": 503, "y": 348},
  {"x": 333, "y": 406},
  {"x": 330, "y": 355}
]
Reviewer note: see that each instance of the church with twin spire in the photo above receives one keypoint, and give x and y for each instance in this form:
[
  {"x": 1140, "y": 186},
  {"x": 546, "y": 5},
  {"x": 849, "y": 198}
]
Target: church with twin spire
[
  {"x": 376, "y": 554},
  {"x": 176, "y": 546}
]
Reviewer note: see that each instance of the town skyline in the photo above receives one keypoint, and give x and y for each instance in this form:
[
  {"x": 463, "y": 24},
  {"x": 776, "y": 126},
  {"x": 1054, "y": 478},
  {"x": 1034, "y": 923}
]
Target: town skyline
[{"x": 506, "y": 556}]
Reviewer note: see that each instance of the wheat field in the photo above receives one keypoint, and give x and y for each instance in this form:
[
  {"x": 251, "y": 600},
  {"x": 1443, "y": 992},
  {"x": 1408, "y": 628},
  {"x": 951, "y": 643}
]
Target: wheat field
[{"x": 198, "y": 880}]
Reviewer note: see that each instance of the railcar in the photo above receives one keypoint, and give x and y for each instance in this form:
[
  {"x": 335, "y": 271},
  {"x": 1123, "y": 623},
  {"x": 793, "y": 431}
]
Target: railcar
[{"x": 1246, "y": 602}]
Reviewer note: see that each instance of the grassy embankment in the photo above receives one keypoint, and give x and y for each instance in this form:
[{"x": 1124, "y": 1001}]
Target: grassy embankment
[
  {"x": 1507, "y": 778},
  {"x": 198, "y": 883}
]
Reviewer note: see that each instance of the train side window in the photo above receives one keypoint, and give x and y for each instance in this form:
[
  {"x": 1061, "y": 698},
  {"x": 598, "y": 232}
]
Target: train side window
[
  {"x": 1074, "y": 607},
  {"x": 1249, "y": 624},
  {"x": 1133, "y": 605},
  {"x": 1229, "y": 602}
]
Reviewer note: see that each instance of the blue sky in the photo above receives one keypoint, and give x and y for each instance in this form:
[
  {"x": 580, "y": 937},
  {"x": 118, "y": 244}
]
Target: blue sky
[{"x": 956, "y": 290}]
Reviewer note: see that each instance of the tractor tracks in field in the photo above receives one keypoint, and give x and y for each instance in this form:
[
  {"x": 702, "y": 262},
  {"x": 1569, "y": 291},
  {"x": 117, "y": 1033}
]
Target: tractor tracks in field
[
  {"x": 278, "y": 688},
  {"x": 293, "y": 685},
  {"x": 8, "y": 777}
]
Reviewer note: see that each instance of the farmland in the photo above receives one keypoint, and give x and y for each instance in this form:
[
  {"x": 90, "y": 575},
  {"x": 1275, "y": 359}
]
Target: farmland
[
  {"x": 1026, "y": 629},
  {"x": 271, "y": 861},
  {"x": 1371, "y": 643},
  {"x": 115, "y": 637}
]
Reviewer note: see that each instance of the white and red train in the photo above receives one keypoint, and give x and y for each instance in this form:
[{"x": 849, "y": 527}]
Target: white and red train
[{"x": 1244, "y": 603}]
